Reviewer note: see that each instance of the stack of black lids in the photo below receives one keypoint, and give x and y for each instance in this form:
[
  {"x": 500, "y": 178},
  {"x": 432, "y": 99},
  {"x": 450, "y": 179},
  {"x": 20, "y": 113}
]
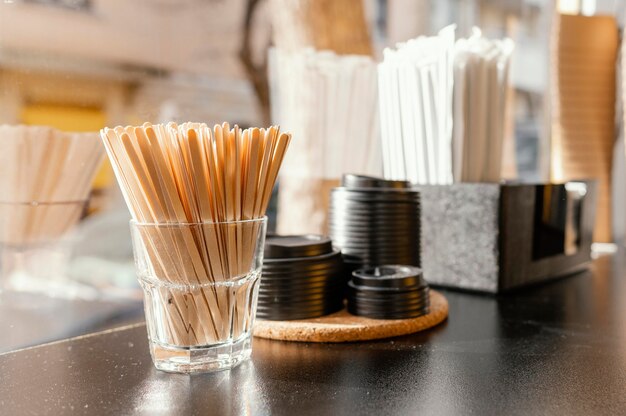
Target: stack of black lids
[
  {"x": 303, "y": 277},
  {"x": 375, "y": 221},
  {"x": 388, "y": 292}
]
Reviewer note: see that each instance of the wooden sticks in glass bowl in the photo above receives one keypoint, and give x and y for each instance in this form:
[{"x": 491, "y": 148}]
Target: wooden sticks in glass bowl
[
  {"x": 45, "y": 181},
  {"x": 42, "y": 164}
]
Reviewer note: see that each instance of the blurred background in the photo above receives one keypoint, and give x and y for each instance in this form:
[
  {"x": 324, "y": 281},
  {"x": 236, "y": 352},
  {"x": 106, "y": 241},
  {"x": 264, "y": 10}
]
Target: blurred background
[{"x": 80, "y": 65}]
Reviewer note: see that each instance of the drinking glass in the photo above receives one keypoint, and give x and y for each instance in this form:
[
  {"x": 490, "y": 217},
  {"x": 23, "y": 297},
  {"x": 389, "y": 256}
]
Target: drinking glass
[{"x": 200, "y": 283}]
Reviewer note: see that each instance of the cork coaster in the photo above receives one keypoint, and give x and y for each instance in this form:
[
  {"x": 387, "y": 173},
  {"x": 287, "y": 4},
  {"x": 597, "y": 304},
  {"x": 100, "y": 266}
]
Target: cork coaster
[{"x": 344, "y": 327}]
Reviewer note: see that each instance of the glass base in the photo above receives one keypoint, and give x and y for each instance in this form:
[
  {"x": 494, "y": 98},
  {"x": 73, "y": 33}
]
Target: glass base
[{"x": 204, "y": 359}]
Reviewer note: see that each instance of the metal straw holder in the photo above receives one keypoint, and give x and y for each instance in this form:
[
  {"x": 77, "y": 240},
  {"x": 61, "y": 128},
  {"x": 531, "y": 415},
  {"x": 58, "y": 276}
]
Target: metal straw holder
[
  {"x": 200, "y": 285},
  {"x": 497, "y": 237}
]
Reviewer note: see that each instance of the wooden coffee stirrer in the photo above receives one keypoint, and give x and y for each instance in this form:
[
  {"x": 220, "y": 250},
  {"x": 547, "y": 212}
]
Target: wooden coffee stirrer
[
  {"x": 137, "y": 201},
  {"x": 208, "y": 239},
  {"x": 210, "y": 235},
  {"x": 150, "y": 212},
  {"x": 168, "y": 204},
  {"x": 78, "y": 161},
  {"x": 200, "y": 268},
  {"x": 198, "y": 198},
  {"x": 35, "y": 187},
  {"x": 46, "y": 186}
]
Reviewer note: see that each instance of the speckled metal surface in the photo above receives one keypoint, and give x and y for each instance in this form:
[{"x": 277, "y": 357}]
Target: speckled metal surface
[
  {"x": 460, "y": 235},
  {"x": 558, "y": 349}
]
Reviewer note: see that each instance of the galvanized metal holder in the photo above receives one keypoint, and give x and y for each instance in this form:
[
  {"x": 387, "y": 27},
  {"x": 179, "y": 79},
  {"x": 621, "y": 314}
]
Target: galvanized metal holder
[{"x": 497, "y": 237}]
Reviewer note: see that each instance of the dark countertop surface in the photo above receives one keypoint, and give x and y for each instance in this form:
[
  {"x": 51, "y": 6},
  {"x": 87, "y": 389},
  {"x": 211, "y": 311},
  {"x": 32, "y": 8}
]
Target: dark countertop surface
[
  {"x": 559, "y": 348},
  {"x": 28, "y": 319}
]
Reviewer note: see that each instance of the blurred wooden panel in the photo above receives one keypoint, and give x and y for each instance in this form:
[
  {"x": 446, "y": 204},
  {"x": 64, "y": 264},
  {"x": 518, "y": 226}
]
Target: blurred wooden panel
[
  {"x": 584, "y": 53},
  {"x": 336, "y": 25}
]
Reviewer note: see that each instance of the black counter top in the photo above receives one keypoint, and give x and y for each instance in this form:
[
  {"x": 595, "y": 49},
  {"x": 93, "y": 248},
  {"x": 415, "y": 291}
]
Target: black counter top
[
  {"x": 555, "y": 349},
  {"x": 28, "y": 319}
]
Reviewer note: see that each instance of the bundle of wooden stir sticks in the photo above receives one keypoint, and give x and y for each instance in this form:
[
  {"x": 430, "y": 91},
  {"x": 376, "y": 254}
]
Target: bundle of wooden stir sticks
[
  {"x": 194, "y": 181},
  {"x": 191, "y": 173},
  {"x": 45, "y": 177}
]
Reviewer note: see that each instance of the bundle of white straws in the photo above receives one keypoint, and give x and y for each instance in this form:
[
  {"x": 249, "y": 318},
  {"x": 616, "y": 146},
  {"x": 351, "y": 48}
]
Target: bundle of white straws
[
  {"x": 330, "y": 102},
  {"x": 443, "y": 108}
]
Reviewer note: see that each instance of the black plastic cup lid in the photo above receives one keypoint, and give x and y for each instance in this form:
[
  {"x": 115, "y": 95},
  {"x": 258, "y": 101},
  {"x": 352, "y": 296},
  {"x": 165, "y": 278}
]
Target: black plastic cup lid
[
  {"x": 378, "y": 252},
  {"x": 364, "y": 257},
  {"x": 400, "y": 244},
  {"x": 298, "y": 308},
  {"x": 322, "y": 297},
  {"x": 340, "y": 203},
  {"x": 296, "y": 246},
  {"x": 386, "y": 302},
  {"x": 364, "y": 221},
  {"x": 389, "y": 276},
  {"x": 390, "y": 294},
  {"x": 322, "y": 259},
  {"x": 304, "y": 276},
  {"x": 268, "y": 286},
  {"x": 291, "y": 316},
  {"x": 386, "y": 315},
  {"x": 350, "y": 180},
  {"x": 373, "y": 195},
  {"x": 302, "y": 304},
  {"x": 276, "y": 315},
  {"x": 287, "y": 294},
  {"x": 387, "y": 309},
  {"x": 305, "y": 273}
]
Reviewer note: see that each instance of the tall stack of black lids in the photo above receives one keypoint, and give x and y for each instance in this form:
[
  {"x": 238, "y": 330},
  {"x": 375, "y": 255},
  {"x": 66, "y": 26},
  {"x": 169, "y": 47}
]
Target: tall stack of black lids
[
  {"x": 388, "y": 292},
  {"x": 303, "y": 277},
  {"x": 375, "y": 222}
]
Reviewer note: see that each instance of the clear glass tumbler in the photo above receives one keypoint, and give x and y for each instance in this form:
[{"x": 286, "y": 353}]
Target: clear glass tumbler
[
  {"x": 200, "y": 285},
  {"x": 35, "y": 244}
]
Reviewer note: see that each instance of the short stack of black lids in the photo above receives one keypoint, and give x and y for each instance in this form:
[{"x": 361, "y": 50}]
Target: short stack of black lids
[
  {"x": 375, "y": 221},
  {"x": 303, "y": 277},
  {"x": 388, "y": 292}
]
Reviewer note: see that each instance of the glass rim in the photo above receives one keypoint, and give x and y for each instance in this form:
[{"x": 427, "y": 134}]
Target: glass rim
[
  {"x": 134, "y": 222},
  {"x": 44, "y": 203}
]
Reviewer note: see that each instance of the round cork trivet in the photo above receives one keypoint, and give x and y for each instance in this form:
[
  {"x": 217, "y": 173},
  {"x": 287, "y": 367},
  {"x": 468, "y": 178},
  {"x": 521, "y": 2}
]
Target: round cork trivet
[{"x": 344, "y": 327}]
